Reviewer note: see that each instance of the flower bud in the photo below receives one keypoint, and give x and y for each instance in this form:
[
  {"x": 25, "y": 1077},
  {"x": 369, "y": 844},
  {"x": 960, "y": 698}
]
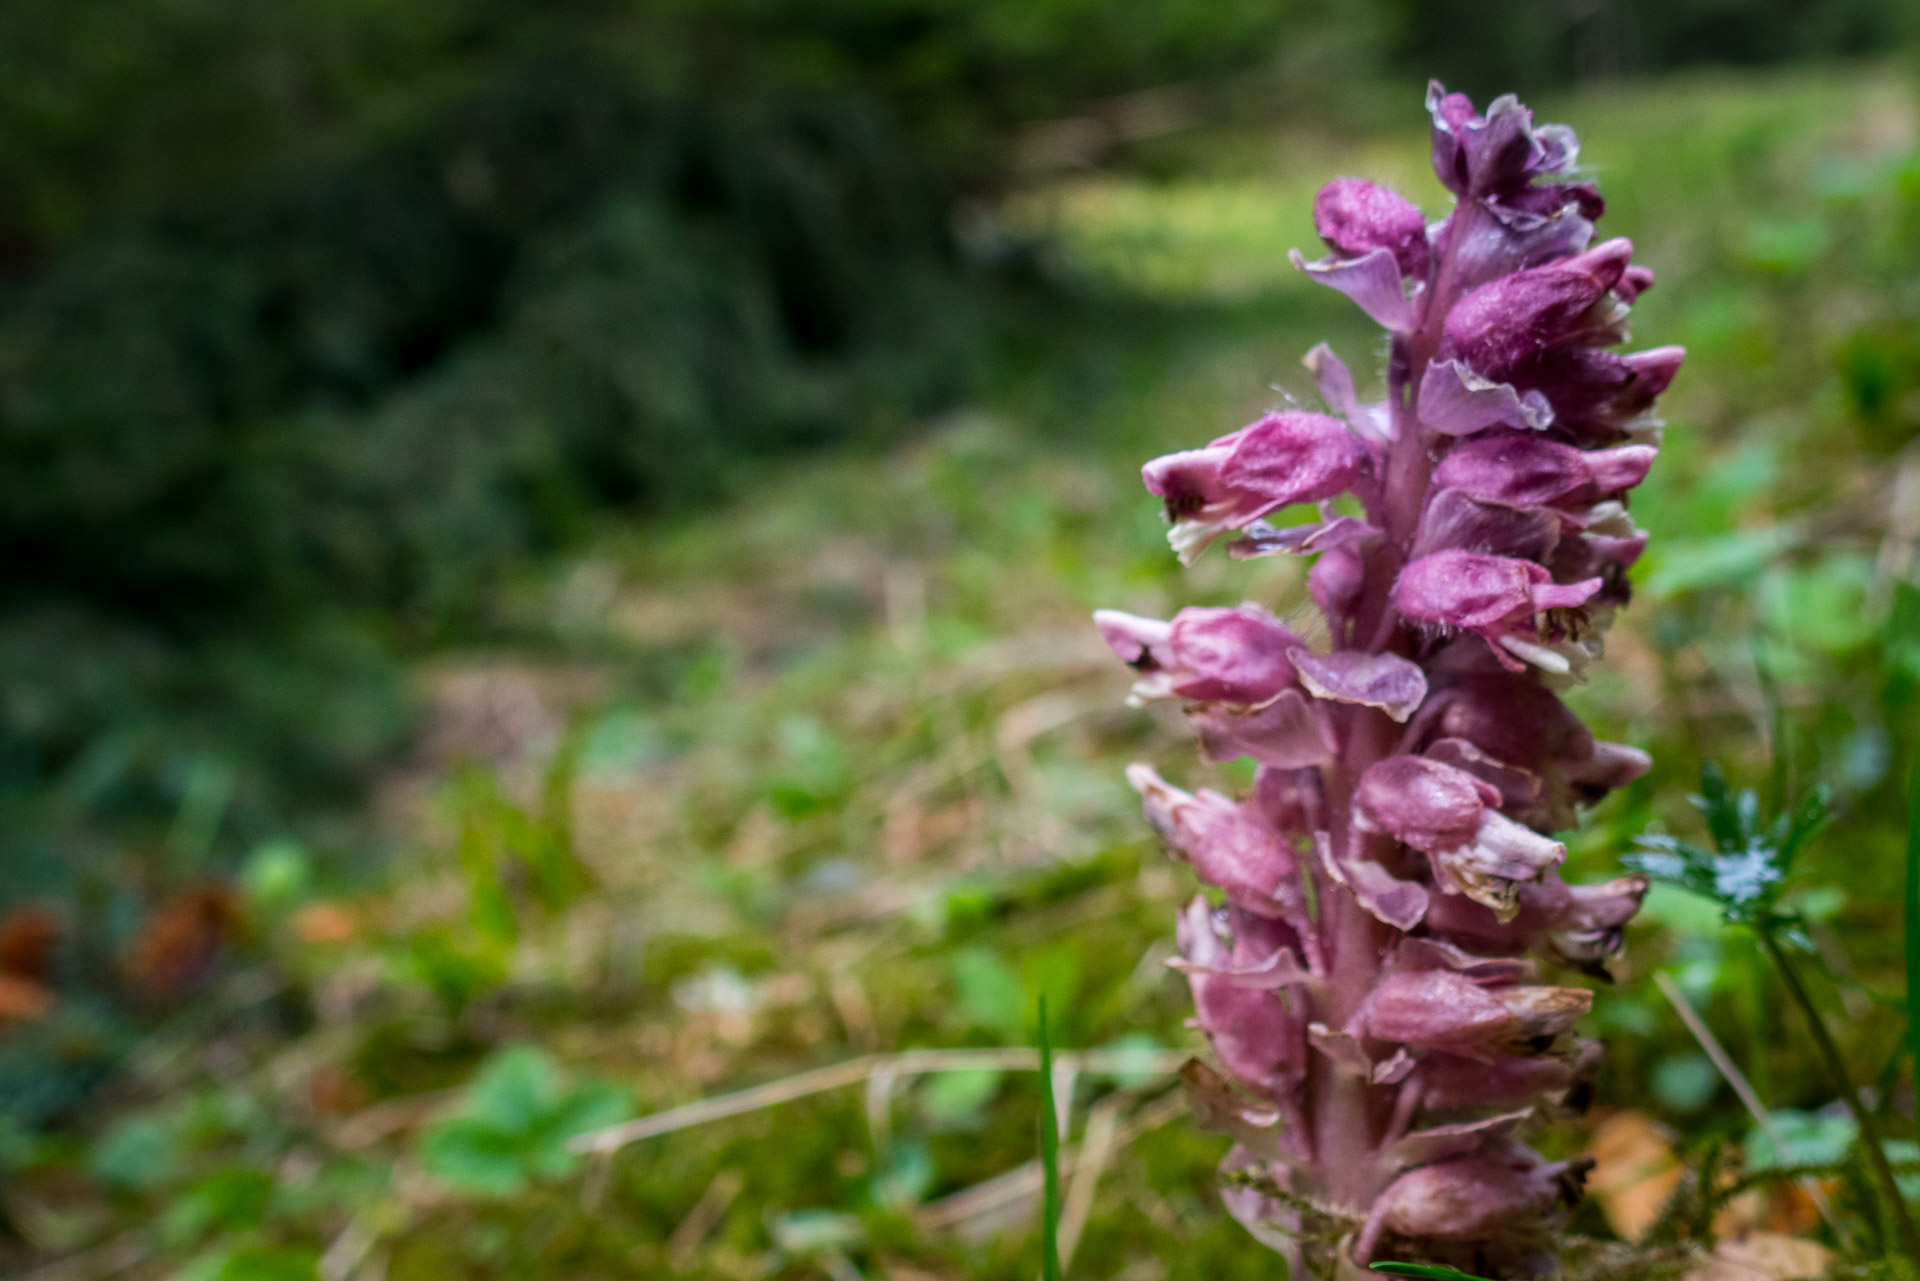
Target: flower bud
[
  {"x": 1335, "y": 582},
  {"x": 1226, "y": 846},
  {"x": 1356, "y": 217},
  {"x": 1449, "y": 814},
  {"x": 1473, "y": 1197},
  {"x": 1505, "y": 321},
  {"x": 1520, "y": 470}
]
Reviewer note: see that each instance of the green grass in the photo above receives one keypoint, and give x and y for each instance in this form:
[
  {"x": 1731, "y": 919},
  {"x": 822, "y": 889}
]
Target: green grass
[{"x": 844, "y": 775}]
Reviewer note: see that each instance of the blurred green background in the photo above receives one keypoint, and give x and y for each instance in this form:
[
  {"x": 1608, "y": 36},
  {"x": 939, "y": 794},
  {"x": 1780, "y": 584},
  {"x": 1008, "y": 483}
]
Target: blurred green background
[{"x": 573, "y": 524}]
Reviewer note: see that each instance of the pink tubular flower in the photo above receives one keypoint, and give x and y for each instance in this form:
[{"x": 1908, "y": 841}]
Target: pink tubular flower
[
  {"x": 1204, "y": 655},
  {"x": 1497, "y": 597},
  {"x": 1511, "y": 318},
  {"x": 1284, "y": 458},
  {"x": 1390, "y": 894}
]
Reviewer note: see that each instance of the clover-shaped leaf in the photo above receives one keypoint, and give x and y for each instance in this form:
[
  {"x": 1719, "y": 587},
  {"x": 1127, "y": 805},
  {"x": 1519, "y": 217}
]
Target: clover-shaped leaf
[{"x": 519, "y": 1115}]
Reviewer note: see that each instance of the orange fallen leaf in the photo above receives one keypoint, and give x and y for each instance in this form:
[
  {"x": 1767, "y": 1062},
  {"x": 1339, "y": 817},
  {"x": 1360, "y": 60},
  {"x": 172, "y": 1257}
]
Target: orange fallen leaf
[
  {"x": 27, "y": 937},
  {"x": 323, "y": 923},
  {"x": 176, "y": 949},
  {"x": 22, "y": 1000},
  {"x": 1635, "y": 1171}
]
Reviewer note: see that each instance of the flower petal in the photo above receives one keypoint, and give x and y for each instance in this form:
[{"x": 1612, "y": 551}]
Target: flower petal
[
  {"x": 1387, "y": 898},
  {"x": 1326, "y": 534},
  {"x": 1286, "y": 733},
  {"x": 1372, "y": 280},
  {"x": 1455, "y": 522},
  {"x": 1491, "y": 867},
  {"x": 1335, "y": 381},
  {"x": 1455, "y": 401},
  {"x": 1217, "y": 1107},
  {"x": 1443, "y": 1142},
  {"x": 1386, "y": 681}
]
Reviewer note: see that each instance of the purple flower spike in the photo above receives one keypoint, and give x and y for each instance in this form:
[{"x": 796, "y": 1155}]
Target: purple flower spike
[{"x": 1382, "y": 1054}]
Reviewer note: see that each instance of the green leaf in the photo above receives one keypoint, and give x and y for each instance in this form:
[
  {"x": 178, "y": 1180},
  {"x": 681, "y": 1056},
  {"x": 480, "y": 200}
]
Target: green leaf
[
  {"x": 1715, "y": 562},
  {"x": 475, "y": 1157},
  {"x": 1727, "y": 819},
  {"x": 252, "y": 1263},
  {"x": 520, "y": 1114},
  {"x": 1809, "y": 819},
  {"x": 227, "y": 1201},
  {"x": 264, "y": 1264},
  {"x": 138, "y": 1154},
  {"x": 515, "y": 1087},
  {"x": 1429, "y": 1270},
  {"x": 1746, "y": 871},
  {"x": 956, "y": 1100},
  {"x": 1806, "y": 1138},
  {"x": 990, "y": 993},
  {"x": 812, "y": 1231},
  {"x": 276, "y": 875}
]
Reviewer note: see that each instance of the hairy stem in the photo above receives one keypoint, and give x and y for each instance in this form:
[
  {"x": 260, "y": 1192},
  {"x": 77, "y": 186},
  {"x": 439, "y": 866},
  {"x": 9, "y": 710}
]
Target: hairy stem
[{"x": 1837, "y": 1070}]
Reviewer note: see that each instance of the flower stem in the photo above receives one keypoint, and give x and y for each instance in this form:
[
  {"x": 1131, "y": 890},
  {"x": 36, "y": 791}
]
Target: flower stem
[{"x": 1837, "y": 1070}]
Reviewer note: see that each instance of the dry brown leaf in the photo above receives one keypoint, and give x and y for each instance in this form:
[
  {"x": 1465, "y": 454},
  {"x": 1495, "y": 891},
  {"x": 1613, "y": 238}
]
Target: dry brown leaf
[
  {"x": 334, "y": 1091},
  {"x": 1790, "y": 1209},
  {"x": 27, "y": 938},
  {"x": 176, "y": 949},
  {"x": 323, "y": 923},
  {"x": 1764, "y": 1256},
  {"x": 1635, "y": 1171},
  {"x": 22, "y": 1000}
]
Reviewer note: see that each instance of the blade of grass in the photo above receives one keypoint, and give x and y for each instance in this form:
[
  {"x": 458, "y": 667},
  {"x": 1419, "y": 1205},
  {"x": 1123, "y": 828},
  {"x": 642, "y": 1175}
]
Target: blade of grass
[
  {"x": 1912, "y": 915},
  {"x": 1049, "y": 1159},
  {"x": 1742, "y": 1088},
  {"x": 1779, "y": 752},
  {"x": 1433, "y": 1272}
]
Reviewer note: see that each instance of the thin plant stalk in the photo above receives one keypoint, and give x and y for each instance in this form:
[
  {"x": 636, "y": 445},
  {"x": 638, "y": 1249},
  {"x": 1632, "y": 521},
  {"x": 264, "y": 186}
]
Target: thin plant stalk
[
  {"x": 1912, "y": 916},
  {"x": 1049, "y": 1159},
  {"x": 1742, "y": 1088},
  {"x": 1837, "y": 1070}
]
